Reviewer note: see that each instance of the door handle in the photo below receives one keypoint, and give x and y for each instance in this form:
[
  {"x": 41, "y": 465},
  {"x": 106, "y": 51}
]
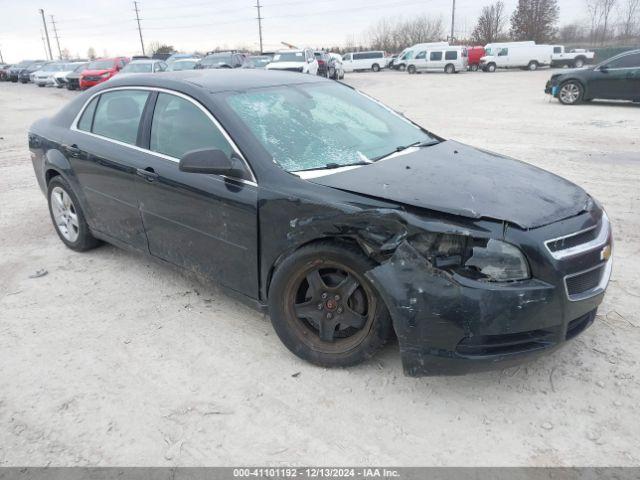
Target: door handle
[
  {"x": 148, "y": 174},
  {"x": 73, "y": 150}
]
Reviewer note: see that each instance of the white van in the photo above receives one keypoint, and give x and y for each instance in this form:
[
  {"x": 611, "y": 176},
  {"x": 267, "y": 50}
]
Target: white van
[
  {"x": 439, "y": 59},
  {"x": 516, "y": 55},
  {"x": 410, "y": 52},
  {"x": 491, "y": 49},
  {"x": 364, "y": 61}
]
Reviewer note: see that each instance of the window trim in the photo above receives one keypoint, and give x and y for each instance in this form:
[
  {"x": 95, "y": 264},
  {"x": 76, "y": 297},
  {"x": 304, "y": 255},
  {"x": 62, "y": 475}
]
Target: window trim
[{"x": 216, "y": 123}]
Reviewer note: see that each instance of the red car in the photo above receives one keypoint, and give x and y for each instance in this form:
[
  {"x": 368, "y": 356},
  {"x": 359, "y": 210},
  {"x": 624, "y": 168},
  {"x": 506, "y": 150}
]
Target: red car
[
  {"x": 101, "y": 70},
  {"x": 475, "y": 54}
]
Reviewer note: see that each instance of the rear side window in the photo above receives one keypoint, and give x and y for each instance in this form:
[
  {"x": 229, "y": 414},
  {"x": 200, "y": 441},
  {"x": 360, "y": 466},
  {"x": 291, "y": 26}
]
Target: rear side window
[
  {"x": 358, "y": 56},
  {"x": 557, "y": 50},
  {"x": 179, "y": 126},
  {"x": 87, "y": 116},
  {"x": 451, "y": 55},
  {"x": 118, "y": 115},
  {"x": 435, "y": 56},
  {"x": 628, "y": 61}
]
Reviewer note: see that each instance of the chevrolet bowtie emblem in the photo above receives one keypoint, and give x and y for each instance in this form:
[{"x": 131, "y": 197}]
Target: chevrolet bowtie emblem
[{"x": 605, "y": 253}]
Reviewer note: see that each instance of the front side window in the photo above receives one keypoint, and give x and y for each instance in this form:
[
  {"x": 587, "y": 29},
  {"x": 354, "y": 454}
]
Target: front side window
[
  {"x": 118, "y": 115},
  {"x": 421, "y": 55},
  {"x": 179, "y": 126},
  {"x": 628, "y": 61},
  {"x": 306, "y": 127},
  {"x": 451, "y": 55},
  {"x": 504, "y": 52},
  {"x": 435, "y": 56}
]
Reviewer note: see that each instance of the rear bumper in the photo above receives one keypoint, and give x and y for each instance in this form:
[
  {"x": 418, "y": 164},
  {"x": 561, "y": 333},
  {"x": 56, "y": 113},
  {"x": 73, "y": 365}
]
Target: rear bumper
[{"x": 449, "y": 325}]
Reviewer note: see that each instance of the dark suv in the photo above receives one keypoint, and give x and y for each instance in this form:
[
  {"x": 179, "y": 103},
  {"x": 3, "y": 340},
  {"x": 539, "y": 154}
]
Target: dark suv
[
  {"x": 617, "y": 78},
  {"x": 14, "y": 72}
]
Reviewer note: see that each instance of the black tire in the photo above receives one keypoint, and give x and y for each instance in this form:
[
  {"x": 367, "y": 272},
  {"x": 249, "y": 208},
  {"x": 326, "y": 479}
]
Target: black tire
[
  {"x": 402, "y": 67},
  {"x": 473, "y": 68},
  {"x": 533, "y": 65},
  {"x": 84, "y": 240},
  {"x": 375, "y": 67},
  {"x": 449, "y": 68},
  {"x": 70, "y": 87},
  {"x": 571, "y": 92},
  {"x": 345, "y": 344},
  {"x": 578, "y": 62},
  {"x": 490, "y": 68},
  {"x": 411, "y": 69}
]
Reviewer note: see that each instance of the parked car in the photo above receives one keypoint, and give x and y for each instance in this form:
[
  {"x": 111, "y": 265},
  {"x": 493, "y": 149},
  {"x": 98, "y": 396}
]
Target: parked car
[
  {"x": 183, "y": 64},
  {"x": 4, "y": 72},
  {"x": 323, "y": 62},
  {"x": 617, "y": 78},
  {"x": 392, "y": 62},
  {"x": 345, "y": 228},
  {"x": 260, "y": 61},
  {"x": 144, "y": 66},
  {"x": 72, "y": 80},
  {"x": 60, "y": 78},
  {"x": 181, "y": 56},
  {"x": 577, "y": 57},
  {"x": 439, "y": 59},
  {"x": 14, "y": 72},
  {"x": 46, "y": 76},
  {"x": 223, "y": 60},
  {"x": 26, "y": 74},
  {"x": 301, "y": 60},
  {"x": 336, "y": 69},
  {"x": 523, "y": 55},
  {"x": 410, "y": 52},
  {"x": 474, "y": 54},
  {"x": 355, "y": 61},
  {"x": 101, "y": 70}
]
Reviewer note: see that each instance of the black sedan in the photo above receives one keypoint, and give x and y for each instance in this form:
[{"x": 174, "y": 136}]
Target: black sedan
[
  {"x": 342, "y": 218},
  {"x": 617, "y": 78}
]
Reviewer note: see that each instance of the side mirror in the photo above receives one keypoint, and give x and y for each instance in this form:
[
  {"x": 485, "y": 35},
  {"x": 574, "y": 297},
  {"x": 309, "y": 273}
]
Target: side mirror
[
  {"x": 604, "y": 69},
  {"x": 211, "y": 161}
]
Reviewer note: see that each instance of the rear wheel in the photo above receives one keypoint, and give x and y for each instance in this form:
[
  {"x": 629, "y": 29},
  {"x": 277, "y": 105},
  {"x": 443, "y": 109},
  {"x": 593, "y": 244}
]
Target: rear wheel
[
  {"x": 578, "y": 63},
  {"x": 450, "y": 69},
  {"x": 533, "y": 65},
  {"x": 375, "y": 67},
  {"x": 324, "y": 309},
  {"x": 570, "y": 93},
  {"x": 67, "y": 216}
]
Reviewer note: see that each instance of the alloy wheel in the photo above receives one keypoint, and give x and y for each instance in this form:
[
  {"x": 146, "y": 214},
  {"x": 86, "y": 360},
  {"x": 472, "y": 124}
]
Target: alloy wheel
[
  {"x": 64, "y": 214},
  {"x": 570, "y": 93}
]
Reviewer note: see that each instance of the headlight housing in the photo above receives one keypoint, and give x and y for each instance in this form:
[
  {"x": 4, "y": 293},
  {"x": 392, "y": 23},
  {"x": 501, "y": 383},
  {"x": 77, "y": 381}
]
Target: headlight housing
[
  {"x": 485, "y": 260},
  {"x": 105, "y": 74}
]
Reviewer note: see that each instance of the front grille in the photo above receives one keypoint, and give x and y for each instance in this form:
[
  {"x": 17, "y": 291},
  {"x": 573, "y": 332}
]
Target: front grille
[
  {"x": 585, "y": 281},
  {"x": 580, "y": 324},
  {"x": 91, "y": 79},
  {"x": 573, "y": 241},
  {"x": 486, "y": 345}
]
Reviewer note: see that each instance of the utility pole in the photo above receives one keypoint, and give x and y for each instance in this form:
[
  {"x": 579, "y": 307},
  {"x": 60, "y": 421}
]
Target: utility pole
[
  {"x": 135, "y": 5},
  {"x": 44, "y": 44},
  {"x": 46, "y": 32},
  {"x": 55, "y": 33},
  {"x": 453, "y": 19},
  {"x": 259, "y": 23}
]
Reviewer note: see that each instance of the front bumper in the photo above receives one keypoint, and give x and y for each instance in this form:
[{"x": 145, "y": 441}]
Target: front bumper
[
  {"x": 551, "y": 89},
  {"x": 84, "y": 83},
  {"x": 447, "y": 324}
]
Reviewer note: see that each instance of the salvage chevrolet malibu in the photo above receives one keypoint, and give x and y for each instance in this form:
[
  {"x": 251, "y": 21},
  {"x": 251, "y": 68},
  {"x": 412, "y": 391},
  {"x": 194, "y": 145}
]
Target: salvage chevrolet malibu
[{"x": 342, "y": 218}]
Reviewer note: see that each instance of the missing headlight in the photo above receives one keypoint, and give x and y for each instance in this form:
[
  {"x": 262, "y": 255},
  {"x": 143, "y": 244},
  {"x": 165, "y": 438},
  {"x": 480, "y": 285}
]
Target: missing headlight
[{"x": 499, "y": 262}]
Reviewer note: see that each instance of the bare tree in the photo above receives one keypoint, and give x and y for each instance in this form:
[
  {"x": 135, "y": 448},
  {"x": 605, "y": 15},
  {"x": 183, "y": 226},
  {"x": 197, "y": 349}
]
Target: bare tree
[
  {"x": 535, "y": 20},
  {"x": 91, "y": 53},
  {"x": 394, "y": 35},
  {"x": 607, "y": 8},
  {"x": 630, "y": 16},
  {"x": 595, "y": 19},
  {"x": 490, "y": 26}
]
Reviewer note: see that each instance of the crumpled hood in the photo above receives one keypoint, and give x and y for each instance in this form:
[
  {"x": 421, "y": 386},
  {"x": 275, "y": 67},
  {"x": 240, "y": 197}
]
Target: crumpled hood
[{"x": 454, "y": 178}]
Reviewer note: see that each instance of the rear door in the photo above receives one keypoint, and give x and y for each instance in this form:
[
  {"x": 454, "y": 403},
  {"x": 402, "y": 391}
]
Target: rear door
[
  {"x": 421, "y": 60},
  {"x": 101, "y": 149},
  {"x": 204, "y": 223},
  {"x": 436, "y": 60},
  {"x": 617, "y": 79}
]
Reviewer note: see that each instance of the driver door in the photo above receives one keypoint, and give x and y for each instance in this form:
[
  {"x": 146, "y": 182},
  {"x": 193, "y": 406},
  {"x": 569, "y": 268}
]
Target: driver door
[{"x": 202, "y": 222}]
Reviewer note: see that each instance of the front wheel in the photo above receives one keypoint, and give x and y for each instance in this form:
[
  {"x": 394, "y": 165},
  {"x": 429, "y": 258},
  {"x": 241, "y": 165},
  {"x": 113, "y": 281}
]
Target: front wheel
[
  {"x": 411, "y": 69},
  {"x": 67, "y": 216},
  {"x": 324, "y": 309},
  {"x": 490, "y": 68},
  {"x": 570, "y": 93}
]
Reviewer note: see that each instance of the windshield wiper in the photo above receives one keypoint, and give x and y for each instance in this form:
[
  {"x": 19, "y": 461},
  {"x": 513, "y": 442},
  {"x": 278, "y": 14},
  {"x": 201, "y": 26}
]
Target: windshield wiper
[
  {"x": 332, "y": 165},
  {"x": 418, "y": 144}
]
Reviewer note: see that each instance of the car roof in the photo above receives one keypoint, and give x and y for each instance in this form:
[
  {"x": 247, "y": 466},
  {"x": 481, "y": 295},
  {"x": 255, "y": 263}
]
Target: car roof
[{"x": 214, "y": 80}]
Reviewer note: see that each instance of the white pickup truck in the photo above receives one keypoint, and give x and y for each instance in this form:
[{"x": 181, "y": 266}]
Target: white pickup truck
[{"x": 576, "y": 57}]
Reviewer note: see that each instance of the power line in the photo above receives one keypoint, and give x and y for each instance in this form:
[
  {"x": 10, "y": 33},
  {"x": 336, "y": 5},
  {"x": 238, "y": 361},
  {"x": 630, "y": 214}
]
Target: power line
[
  {"x": 135, "y": 5},
  {"x": 50, "y": 57},
  {"x": 259, "y": 23},
  {"x": 55, "y": 33}
]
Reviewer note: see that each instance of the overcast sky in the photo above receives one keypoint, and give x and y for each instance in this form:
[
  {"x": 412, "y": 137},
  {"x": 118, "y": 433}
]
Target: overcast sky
[{"x": 109, "y": 25}]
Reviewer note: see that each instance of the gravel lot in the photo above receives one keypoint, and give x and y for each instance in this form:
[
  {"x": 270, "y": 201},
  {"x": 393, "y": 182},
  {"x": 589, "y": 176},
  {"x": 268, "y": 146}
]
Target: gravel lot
[{"x": 114, "y": 359}]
